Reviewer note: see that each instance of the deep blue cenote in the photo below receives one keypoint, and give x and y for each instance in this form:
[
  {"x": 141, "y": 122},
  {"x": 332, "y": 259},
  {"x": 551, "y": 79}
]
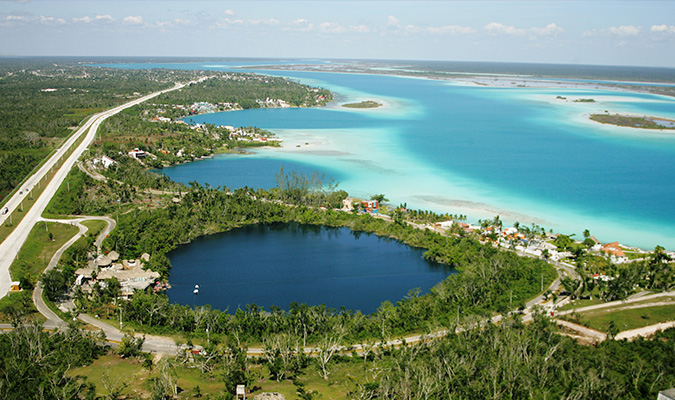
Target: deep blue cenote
[{"x": 278, "y": 264}]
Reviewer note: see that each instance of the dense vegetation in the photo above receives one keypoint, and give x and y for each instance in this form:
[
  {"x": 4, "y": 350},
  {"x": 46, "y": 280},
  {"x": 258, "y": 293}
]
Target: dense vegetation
[
  {"x": 41, "y": 102},
  {"x": 491, "y": 280},
  {"x": 248, "y": 91},
  {"x": 36, "y": 364},
  {"x": 363, "y": 104},
  {"x": 153, "y": 127},
  {"x": 633, "y": 121},
  {"x": 514, "y": 361}
]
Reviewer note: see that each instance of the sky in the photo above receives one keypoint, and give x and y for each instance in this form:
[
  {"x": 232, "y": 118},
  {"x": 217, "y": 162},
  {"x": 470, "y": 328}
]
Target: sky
[{"x": 602, "y": 32}]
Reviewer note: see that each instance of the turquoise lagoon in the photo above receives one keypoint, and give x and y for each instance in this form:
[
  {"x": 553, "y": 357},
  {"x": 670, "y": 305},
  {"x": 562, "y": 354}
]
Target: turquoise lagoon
[{"x": 519, "y": 153}]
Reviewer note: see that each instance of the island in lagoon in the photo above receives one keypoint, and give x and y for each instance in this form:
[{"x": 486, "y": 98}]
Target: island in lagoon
[
  {"x": 634, "y": 121},
  {"x": 363, "y": 104}
]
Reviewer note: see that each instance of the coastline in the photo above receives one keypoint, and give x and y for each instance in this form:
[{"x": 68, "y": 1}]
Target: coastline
[{"x": 336, "y": 149}]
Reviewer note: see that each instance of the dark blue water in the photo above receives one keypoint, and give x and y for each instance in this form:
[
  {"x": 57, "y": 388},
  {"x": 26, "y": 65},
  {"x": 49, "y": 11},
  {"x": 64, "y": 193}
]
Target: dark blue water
[{"x": 279, "y": 264}]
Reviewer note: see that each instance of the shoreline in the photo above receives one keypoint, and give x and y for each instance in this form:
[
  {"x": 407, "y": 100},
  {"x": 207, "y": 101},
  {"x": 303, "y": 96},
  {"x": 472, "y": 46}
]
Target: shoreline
[
  {"x": 319, "y": 148},
  {"x": 479, "y": 79}
]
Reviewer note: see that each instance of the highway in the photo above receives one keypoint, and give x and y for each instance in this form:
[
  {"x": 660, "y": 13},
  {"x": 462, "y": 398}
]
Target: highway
[{"x": 10, "y": 247}]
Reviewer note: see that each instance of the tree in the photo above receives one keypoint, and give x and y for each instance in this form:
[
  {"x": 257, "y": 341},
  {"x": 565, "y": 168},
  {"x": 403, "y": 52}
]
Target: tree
[
  {"x": 563, "y": 242},
  {"x": 131, "y": 346},
  {"x": 612, "y": 330},
  {"x": 282, "y": 353},
  {"x": 164, "y": 387},
  {"x": 328, "y": 346},
  {"x": 54, "y": 284},
  {"x": 380, "y": 198}
]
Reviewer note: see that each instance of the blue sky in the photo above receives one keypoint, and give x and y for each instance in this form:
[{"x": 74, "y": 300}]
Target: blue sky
[{"x": 570, "y": 32}]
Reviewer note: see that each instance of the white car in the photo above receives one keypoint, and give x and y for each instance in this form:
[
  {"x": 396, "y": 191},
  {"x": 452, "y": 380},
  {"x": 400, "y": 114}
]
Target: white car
[{"x": 4, "y": 211}]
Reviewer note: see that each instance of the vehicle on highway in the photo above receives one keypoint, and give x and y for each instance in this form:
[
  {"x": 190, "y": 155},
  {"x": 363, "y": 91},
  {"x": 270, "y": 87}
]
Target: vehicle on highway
[{"x": 4, "y": 211}]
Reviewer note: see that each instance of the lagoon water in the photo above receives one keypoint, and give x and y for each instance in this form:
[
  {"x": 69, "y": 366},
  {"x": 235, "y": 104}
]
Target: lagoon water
[
  {"x": 518, "y": 152},
  {"x": 278, "y": 264}
]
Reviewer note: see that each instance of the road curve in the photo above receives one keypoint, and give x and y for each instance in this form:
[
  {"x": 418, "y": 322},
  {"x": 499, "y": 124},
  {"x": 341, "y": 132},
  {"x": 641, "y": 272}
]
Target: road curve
[{"x": 10, "y": 247}]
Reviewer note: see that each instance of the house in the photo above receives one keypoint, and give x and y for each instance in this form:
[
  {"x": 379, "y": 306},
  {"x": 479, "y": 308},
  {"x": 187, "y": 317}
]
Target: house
[
  {"x": 445, "y": 224},
  {"x": 666, "y": 395},
  {"x": 107, "y": 260},
  {"x": 14, "y": 286},
  {"x": 370, "y": 205},
  {"x": 105, "y": 161},
  {"x": 613, "y": 249},
  {"x": 137, "y": 154},
  {"x": 129, "y": 273},
  {"x": 240, "y": 392}
]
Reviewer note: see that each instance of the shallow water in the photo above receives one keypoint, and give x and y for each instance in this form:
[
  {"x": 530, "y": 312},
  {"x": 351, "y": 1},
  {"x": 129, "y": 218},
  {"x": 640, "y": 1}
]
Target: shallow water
[{"x": 481, "y": 151}]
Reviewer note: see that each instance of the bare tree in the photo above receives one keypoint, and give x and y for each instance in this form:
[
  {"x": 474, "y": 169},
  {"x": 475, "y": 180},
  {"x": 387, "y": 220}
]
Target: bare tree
[{"x": 328, "y": 346}]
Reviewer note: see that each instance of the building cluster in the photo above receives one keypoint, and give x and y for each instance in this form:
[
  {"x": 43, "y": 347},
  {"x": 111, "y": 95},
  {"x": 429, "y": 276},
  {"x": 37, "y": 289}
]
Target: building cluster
[
  {"x": 272, "y": 103},
  {"x": 248, "y": 134},
  {"x": 129, "y": 273},
  {"x": 512, "y": 238}
]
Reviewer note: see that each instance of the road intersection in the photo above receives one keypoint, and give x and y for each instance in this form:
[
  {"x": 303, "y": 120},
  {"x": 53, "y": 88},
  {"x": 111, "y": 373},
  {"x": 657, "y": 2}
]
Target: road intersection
[{"x": 9, "y": 248}]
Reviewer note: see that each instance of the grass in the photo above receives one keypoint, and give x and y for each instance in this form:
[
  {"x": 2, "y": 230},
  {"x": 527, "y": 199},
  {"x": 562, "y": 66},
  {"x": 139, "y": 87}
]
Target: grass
[
  {"x": 38, "y": 249},
  {"x": 29, "y": 199},
  {"x": 20, "y": 303},
  {"x": 95, "y": 226},
  {"x": 581, "y": 303},
  {"x": 83, "y": 112},
  {"x": 629, "y": 319},
  {"x": 113, "y": 369},
  {"x": 31, "y": 261}
]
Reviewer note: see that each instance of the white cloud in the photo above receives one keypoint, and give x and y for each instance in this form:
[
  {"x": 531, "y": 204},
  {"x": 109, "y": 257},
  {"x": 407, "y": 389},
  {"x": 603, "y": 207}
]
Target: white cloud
[
  {"x": 88, "y": 19},
  {"x": 496, "y": 27},
  {"x": 133, "y": 20},
  {"x": 269, "y": 21},
  {"x": 624, "y": 30},
  {"x": 663, "y": 28},
  {"x": 52, "y": 20},
  {"x": 550, "y": 29},
  {"x": 181, "y": 21},
  {"x": 300, "y": 25},
  {"x": 395, "y": 25},
  {"x": 360, "y": 28},
  {"x": 159, "y": 24},
  {"x": 228, "y": 22},
  {"x": 331, "y": 27},
  {"x": 229, "y": 12},
  {"x": 451, "y": 29},
  {"x": 13, "y": 18}
]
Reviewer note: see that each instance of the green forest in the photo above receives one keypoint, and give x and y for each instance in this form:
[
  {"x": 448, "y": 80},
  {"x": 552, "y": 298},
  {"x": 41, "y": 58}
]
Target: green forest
[
  {"x": 41, "y": 102},
  {"x": 505, "y": 361}
]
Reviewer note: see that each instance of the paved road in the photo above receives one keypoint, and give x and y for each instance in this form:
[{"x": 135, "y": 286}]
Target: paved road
[
  {"x": 54, "y": 321},
  {"x": 11, "y": 246},
  {"x": 618, "y": 303}
]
